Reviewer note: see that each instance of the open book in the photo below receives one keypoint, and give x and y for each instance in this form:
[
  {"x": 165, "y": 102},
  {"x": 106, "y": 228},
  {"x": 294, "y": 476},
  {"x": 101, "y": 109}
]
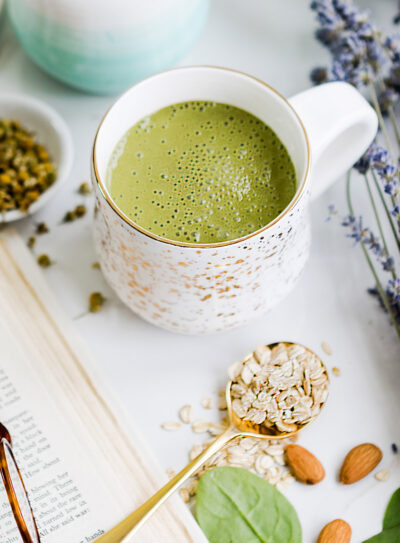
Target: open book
[{"x": 85, "y": 469}]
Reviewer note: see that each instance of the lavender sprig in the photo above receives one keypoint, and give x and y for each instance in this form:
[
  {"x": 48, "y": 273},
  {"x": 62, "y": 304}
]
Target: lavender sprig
[{"x": 367, "y": 58}]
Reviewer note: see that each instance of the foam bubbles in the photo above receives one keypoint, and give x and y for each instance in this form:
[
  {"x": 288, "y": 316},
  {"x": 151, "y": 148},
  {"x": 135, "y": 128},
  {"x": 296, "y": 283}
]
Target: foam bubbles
[{"x": 223, "y": 174}]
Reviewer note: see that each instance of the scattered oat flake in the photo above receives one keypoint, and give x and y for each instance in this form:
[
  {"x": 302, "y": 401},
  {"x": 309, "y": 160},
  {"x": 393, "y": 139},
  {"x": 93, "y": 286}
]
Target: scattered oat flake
[
  {"x": 222, "y": 402},
  {"x": 336, "y": 371},
  {"x": 170, "y": 473},
  {"x": 216, "y": 429},
  {"x": 326, "y": 348},
  {"x": 192, "y": 486},
  {"x": 382, "y": 475},
  {"x": 195, "y": 451},
  {"x": 171, "y": 426},
  {"x": 186, "y": 414},
  {"x": 200, "y": 426},
  {"x": 184, "y": 494},
  {"x": 207, "y": 403}
]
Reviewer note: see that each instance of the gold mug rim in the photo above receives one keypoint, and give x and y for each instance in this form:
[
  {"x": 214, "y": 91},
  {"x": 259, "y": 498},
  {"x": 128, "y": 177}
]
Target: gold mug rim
[{"x": 135, "y": 226}]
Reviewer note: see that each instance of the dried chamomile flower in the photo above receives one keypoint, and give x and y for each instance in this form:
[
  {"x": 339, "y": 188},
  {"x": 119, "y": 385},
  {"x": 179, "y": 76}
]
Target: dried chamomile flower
[
  {"x": 77, "y": 213},
  {"x": 42, "y": 228},
  {"x": 69, "y": 216},
  {"x": 26, "y": 170},
  {"x": 84, "y": 189},
  {"x": 44, "y": 261},
  {"x": 96, "y": 301},
  {"x": 31, "y": 242},
  {"x": 80, "y": 211}
]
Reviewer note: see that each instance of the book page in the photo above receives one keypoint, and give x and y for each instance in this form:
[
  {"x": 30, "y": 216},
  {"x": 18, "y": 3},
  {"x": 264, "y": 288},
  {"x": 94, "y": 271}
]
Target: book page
[
  {"x": 69, "y": 497},
  {"x": 86, "y": 466}
]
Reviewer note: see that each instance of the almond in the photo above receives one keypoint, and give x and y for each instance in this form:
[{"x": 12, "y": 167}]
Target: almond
[
  {"x": 305, "y": 467},
  {"x": 337, "y": 531},
  {"x": 359, "y": 462}
]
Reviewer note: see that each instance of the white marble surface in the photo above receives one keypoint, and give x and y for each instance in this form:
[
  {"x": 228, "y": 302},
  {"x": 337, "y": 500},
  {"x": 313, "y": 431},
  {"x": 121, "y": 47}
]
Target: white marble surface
[{"x": 155, "y": 372}]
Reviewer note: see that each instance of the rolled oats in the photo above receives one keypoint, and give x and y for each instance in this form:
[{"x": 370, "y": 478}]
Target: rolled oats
[
  {"x": 195, "y": 451},
  {"x": 171, "y": 426},
  {"x": 186, "y": 414},
  {"x": 207, "y": 403},
  {"x": 382, "y": 475},
  {"x": 326, "y": 348},
  {"x": 185, "y": 495},
  {"x": 200, "y": 426},
  {"x": 280, "y": 389}
]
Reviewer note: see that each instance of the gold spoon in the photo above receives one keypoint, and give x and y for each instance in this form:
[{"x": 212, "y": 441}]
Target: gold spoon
[{"x": 126, "y": 529}]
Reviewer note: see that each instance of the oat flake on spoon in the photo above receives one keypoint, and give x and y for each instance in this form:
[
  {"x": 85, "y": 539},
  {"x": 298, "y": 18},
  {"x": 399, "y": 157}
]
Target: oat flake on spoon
[{"x": 280, "y": 387}]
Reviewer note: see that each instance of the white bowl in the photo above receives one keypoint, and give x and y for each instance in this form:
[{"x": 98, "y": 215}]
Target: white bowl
[{"x": 51, "y": 131}]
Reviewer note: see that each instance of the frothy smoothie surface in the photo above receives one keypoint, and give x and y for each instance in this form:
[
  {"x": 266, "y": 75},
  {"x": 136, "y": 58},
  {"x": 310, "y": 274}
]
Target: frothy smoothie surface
[{"x": 201, "y": 172}]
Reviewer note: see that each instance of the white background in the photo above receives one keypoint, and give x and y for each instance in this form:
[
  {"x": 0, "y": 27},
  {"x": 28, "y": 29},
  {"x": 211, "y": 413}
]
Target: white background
[{"x": 155, "y": 372}]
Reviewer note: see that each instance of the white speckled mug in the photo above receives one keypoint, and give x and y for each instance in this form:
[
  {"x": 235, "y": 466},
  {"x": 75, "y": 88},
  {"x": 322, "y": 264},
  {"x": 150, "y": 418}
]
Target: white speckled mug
[{"x": 195, "y": 288}]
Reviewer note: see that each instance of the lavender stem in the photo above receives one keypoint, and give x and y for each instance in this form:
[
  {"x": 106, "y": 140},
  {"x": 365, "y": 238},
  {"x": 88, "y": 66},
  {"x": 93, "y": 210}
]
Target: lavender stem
[
  {"x": 379, "y": 287},
  {"x": 388, "y": 215}
]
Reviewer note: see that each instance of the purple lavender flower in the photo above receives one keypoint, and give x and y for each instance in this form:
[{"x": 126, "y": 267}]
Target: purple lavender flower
[
  {"x": 377, "y": 157},
  {"x": 388, "y": 98},
  {"x": 365, "y": 57},
  {"x": 392, "y": 298},
  {"x": 388, "y": 264},
  {"x": 396, "y": 18},
  {"x": 394, "y": 286},
  {"x": 319, "y": 75},
  {"x": 327, "y": 36},
  {"x": 357, "y": 232},
  {"x": 351, "y": 38},
  {"x": 392, "y": 46},
  {"x": 361, "y": 234},
  {"x": 393, "y": 79}
]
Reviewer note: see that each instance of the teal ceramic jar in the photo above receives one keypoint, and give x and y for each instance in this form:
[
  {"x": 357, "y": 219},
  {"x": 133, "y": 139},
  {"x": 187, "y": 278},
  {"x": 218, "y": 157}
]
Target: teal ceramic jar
[{"x": 103, "y": 46}]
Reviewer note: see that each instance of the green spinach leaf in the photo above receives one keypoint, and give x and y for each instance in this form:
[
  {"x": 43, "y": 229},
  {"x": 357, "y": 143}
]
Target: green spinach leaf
[
  {"x": 392, "y": 514},
  {"x": 391, "y": 522},
  {"x": 386, "y": 536},
  {"x": 235, "y": 506}
]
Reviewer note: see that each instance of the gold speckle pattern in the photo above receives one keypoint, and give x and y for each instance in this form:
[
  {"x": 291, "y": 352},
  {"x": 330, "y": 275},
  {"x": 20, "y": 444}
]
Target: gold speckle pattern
[{"x": 196, "y": 290}]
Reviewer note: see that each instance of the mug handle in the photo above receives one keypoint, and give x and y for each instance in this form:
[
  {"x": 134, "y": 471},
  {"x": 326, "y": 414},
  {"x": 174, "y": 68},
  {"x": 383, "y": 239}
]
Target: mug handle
[{"x": 340, "y": 125}]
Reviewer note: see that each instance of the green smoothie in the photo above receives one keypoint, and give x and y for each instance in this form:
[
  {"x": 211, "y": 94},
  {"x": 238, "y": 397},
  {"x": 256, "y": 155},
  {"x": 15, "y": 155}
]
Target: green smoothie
[{"x": 201, "y": 172}]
